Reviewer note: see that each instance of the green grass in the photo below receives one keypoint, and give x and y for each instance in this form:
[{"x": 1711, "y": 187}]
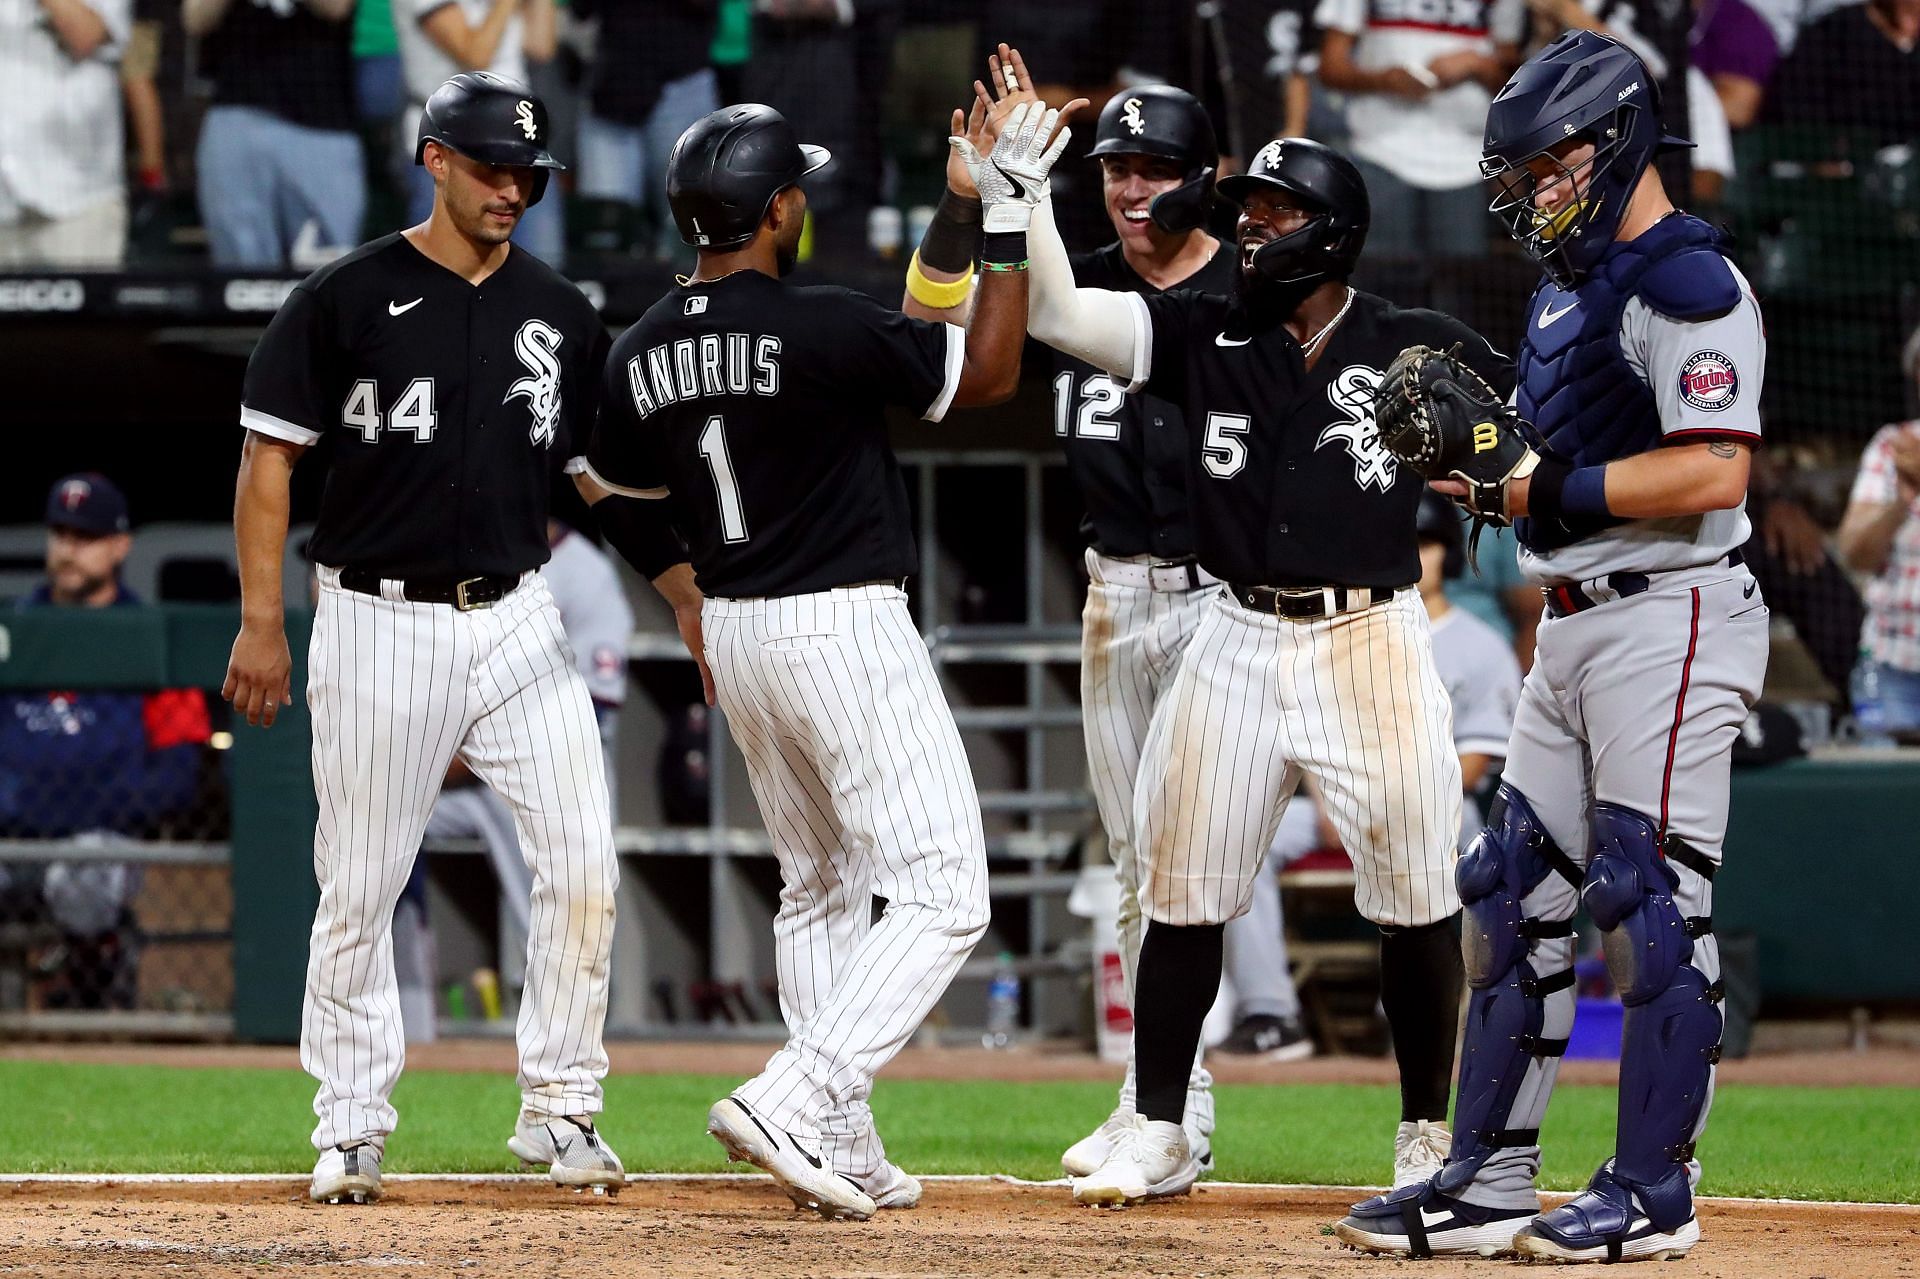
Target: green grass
[{"x": 1830, "y": 1143}]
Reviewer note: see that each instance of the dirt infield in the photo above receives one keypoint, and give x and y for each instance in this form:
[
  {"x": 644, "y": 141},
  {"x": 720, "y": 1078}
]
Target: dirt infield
[{"x": 745, "y": 1228}]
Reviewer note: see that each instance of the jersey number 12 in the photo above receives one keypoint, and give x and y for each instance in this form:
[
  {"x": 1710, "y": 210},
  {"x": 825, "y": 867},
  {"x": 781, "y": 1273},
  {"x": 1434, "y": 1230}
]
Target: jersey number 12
[{"x": 713, "y": 447}]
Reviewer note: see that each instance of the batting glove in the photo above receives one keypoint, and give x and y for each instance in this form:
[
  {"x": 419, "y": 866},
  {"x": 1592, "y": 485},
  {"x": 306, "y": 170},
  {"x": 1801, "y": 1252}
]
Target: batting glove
[{"x": 1013, "y": 179}]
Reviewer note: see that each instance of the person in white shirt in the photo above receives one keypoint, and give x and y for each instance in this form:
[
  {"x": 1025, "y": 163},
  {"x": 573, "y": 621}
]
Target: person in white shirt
[
  {"x": 441, "y": 38},
  {"x": 1418, "y": 75},
  {"x": 63, "y": 198}
]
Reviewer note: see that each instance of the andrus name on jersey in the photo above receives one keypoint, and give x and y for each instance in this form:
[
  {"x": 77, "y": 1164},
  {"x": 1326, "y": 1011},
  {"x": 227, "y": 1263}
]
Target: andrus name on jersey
[{"x": 709, "y": 365}]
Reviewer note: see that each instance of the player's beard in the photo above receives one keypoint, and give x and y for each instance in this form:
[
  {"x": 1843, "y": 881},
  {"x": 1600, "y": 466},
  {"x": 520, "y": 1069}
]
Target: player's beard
[{"x": 1266, "y": 302}]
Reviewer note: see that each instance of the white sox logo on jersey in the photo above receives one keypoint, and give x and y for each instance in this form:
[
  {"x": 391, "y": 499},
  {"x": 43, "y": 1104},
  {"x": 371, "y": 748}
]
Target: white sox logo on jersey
[
  {"x": 524, "y": 114},
  {"x": 1352, "y": 393},
  {"x": 1131, "y": 117},
  {"x": 536, "y": 344}
]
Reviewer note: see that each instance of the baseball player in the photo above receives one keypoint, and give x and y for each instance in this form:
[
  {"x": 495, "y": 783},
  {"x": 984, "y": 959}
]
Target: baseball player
[
  {"x": 748, "y": 412},
  {"x": 1157, "y": 156},
  {"x": 1477, "y": 667},
  {"x": 449, "y": 378},
  {"x": 1640, "y": 373},
  {"x": 1315, "y": 660}
]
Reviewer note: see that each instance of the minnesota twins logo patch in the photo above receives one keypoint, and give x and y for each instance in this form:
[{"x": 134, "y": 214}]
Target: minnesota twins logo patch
[{"x": 1708, "y": 381}]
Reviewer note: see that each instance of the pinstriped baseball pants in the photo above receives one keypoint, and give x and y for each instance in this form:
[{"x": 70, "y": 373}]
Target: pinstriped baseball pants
[
  {"x": 865, "y": 789},
  {"x": 1131, "y": 642},
  {"x": 1258, "y": 702},
  {"x": 396, "y": 690}
]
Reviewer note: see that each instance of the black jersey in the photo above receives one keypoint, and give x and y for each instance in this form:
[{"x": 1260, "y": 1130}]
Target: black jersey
[
  {"x": 755, "y": 408},
  {"x": 1127, "y": 452},
  {"x": 1289, "y": 483},
  {"x": 445, "y": 409}
]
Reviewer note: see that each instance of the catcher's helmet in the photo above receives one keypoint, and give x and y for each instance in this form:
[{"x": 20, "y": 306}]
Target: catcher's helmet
[
  {"x": 1160, "y": 120},
  {"x": 1587, "y": 86},
  {"x": 1329, "y": 245},
  {"x": 726, "y": 169},
  {"x": 1439, "y": 520},
  {"x": 492, "y": 119}
]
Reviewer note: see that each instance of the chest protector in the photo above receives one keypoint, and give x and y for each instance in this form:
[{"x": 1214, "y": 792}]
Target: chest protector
[{"x": 1574, "y": 384}]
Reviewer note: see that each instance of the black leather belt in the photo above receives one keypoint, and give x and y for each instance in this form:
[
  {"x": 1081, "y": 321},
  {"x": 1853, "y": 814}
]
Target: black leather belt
[
  {"x": 1307, "y": 601},
  {"x": 1564, "y": 598},
  {"x": 464, "y": 594}
]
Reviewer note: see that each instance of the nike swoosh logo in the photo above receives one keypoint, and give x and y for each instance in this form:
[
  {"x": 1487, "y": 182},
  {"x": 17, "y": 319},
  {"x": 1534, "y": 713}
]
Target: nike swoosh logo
[
  {"x": 1549, "y": 315},
  {"x": 1746, "y": 592},
  {"x": 810, "y": 1158},
  {"x": 394, "y": 308},
  {"x": 1019, "y": 192},
  {"x": 1221, "y": 339}
]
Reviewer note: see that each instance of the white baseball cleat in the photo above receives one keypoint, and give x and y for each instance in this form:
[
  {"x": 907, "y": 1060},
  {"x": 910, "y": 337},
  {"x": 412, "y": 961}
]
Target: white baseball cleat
[
  {"x": 1084, "y": 1157},
  {"x": 1149, "y": 1159},
  {"x": 347, "y": 1174},
  {"x": 574, "y": 1154},
  {"x": 891, "y": 1187},
  {"x": 802, "y": 1173},
  {"x": 1420, "y": 1150}
]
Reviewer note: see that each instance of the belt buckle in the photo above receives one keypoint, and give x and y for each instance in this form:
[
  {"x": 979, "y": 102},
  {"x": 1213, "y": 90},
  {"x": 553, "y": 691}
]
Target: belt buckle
[
  {"x": 460, "y": 600},
  {"x": 1189, "y": 579}
]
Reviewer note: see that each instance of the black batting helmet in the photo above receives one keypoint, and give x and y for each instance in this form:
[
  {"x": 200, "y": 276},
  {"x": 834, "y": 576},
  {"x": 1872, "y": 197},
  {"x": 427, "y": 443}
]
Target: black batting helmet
[
  {"x": 1329, "y": 245},
  {"x": 1160, "y": 120},
  {"x": 726, "y": 169},
  {"x": 492, "y": 119},
  {"x": 1439, "y": 521}
]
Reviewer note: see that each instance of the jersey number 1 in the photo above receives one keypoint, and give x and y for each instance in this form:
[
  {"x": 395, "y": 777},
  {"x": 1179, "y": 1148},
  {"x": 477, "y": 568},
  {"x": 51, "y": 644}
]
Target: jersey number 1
[{"x": 713, "y": 447}]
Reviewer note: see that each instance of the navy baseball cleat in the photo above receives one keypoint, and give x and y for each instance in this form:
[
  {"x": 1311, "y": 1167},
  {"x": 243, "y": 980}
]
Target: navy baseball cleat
[
  {"x": 1604, "y": 1223},
  {"x": 1418, "y": 1221}
]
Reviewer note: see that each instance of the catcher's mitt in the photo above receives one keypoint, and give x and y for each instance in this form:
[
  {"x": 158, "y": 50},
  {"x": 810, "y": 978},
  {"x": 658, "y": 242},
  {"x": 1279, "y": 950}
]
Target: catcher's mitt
[{"x": 1441, "y": 418}]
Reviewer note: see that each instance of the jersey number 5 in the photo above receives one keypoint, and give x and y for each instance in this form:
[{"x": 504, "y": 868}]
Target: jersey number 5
[
  {"x": 412, "y": 412},
  {"x": 713, "y": 447},
  {"x": 1224, "y": 453}
]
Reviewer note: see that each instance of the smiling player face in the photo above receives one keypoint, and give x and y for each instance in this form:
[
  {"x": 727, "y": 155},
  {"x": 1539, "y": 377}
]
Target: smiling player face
[{"x": 1129, "y": 184}]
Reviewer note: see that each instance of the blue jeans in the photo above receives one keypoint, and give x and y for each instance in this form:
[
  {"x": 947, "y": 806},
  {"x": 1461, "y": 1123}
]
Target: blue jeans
[
  {"x": 1899, "y": 698},
  {"x": 542, "y": 230},
  {"x": 1411, "y": 221},
  {"x": 264, "y": 179},
  {"x": 628, "y": 162}
]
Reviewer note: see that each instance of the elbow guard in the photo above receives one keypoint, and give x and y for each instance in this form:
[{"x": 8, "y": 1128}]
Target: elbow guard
[{"x": 642, "y": 531}]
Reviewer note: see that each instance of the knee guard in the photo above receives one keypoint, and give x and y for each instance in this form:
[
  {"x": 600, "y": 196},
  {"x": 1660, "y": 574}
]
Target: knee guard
[
  {"x": 1506, "y": 864},
  {"x": 1670, "y": 1038}
]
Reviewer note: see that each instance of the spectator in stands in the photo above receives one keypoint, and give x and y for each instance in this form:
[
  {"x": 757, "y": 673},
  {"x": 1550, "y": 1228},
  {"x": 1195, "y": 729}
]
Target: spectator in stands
[
  {"x": 650, "y": 79},
  {"x": 280, "y": 176},
  {"x": 1880, "y": 538},
  {"x": 1733, "y": 46},
  {"x": 146, "y": 118},
  {"x": 1495, "y": 592},
  {"x": 441, "y": 38},
  {"x": 1856, "y": 68},
  {"x": 63, "y": 199},
  {"x": 78, "y": 765},
  {"x": 1418, "y": 79},
  {"x": 1272, "y": 52},
  {"x": 1788, "y": 555}
]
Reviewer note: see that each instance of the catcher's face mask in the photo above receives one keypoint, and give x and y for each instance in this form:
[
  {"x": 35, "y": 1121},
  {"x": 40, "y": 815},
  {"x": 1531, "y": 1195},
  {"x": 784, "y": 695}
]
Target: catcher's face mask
[{"x": 1564, "y": 204}]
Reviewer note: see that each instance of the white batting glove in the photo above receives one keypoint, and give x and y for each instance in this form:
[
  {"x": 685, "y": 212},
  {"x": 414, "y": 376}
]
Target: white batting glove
[{"x": 1013, "y": 179}]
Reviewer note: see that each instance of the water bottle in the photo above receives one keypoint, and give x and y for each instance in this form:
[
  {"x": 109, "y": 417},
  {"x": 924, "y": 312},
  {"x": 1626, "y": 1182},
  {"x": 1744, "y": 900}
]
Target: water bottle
[
  {"x": 1869, "y": 712},
  {"x": 1003, "y": 1004}
]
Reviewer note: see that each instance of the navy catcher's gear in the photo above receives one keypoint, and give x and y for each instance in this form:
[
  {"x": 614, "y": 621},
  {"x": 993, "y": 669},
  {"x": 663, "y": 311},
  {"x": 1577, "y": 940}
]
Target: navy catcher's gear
[
  {"x": 1160, "y": 120},
  {"x": 1329, "y": 245},
  {"x": 726, "y": 169},
  {"x": 1517, "y": 890},
  {"x": 1666, "y": 965},
  {"x": 1583, "y": 86},
  {"x": 492, "y": 119}
]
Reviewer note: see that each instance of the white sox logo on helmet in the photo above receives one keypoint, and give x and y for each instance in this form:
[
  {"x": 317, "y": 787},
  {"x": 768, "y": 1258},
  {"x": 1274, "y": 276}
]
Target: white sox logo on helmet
[
  {"x": 1131, "y": 117},
  {"x": 1269, "y": 157},
  {"x": 537, "y": 344},
  {"x": 524, "y": 114}
]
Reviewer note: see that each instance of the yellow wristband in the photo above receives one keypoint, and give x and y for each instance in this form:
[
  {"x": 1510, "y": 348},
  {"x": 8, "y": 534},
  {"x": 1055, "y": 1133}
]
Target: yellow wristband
[{"x": 939, "y": 295}]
